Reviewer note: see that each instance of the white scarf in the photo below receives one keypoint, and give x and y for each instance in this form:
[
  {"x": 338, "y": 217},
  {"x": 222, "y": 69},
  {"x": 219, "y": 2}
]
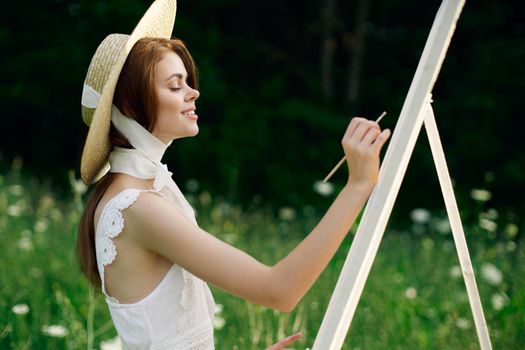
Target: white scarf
[{"x": 144, "y": 161}]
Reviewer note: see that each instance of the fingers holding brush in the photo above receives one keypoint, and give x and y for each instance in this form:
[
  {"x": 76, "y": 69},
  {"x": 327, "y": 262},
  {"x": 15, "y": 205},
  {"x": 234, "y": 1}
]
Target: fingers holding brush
[
  {"x": 380, "y": 140},
  {"x": 362, "y": 143},
  {"x": 361, "y": 130}
]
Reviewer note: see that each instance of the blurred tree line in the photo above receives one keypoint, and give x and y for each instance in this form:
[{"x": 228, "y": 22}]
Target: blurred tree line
[{"x": 280, "y": 81}]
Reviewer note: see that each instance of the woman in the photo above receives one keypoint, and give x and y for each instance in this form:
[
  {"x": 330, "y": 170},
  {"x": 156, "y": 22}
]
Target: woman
[{"x": 138, "y": 238}]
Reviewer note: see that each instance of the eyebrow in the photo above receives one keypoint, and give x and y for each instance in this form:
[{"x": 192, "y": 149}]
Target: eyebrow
[{"x": 178, "y": 75}]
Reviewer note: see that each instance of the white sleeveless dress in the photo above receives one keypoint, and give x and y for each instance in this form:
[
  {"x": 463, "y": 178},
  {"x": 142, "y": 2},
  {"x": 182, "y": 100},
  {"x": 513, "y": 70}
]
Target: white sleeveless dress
[{"x": 177, "y": 314}]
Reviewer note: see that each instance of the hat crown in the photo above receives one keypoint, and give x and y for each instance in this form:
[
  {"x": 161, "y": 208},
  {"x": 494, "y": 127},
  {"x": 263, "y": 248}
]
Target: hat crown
[{"x": 102, "y": 63}]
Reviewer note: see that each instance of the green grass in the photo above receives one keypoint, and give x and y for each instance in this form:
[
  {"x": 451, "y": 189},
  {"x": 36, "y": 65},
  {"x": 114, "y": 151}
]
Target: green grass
[{"x": 411, "y": 299}]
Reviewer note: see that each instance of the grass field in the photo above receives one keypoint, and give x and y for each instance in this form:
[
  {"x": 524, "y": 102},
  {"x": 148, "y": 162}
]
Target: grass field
[{"x": 414, "y": 297}]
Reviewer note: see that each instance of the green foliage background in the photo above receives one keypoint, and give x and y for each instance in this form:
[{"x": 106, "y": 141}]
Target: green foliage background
[
  {"x": 414, "y": 297},
  {"x": 268, "y": 125}
]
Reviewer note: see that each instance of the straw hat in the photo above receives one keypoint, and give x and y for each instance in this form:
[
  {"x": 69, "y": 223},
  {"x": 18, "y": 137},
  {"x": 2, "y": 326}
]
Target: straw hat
[{"x": 101, "y": 79}]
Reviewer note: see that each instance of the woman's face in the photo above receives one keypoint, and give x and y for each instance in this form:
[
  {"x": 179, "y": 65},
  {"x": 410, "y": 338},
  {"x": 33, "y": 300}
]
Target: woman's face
[{"x": 176, "y": 100}]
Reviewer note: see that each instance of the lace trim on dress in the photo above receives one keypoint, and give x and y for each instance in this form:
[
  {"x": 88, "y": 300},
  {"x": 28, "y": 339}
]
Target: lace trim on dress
[
  {"x": 199, "y": 341},
  {"x": 188, "y": 302},
  {"x": 111, "y": 224},
  {"x": 200, "y": 338}
]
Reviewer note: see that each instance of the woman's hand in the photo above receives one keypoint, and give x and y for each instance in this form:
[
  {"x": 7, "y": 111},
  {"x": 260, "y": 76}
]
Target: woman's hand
[
  {"x": 281, "y": 344},
  {"x": 362, "y": 143}
]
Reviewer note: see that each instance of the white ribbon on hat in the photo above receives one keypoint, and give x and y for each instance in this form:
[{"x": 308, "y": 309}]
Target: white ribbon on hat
[
  {"x": 144, "y": 161},
  {"x": 90, "y": 97}
]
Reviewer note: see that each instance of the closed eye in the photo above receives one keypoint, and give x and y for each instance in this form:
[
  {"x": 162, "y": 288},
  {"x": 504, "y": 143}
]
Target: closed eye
[{"x": 175, "y": 89}]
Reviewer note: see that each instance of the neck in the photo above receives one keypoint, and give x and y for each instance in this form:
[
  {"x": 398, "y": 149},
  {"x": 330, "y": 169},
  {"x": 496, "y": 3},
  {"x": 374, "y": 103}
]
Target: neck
[{"x": 167, "y": 140}]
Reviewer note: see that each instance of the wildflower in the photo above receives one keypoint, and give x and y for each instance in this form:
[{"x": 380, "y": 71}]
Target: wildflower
[
  {"x": 411, "y": 293},
  {"x": 463, "y": 323},
  {"x": 420, "y": 215},
  {"x": 192, "y": 185},
  {"x": 442, "y": 226},
  {"x": 111, "y": 344},
  {"x": 499, "y": 300},
  {"x": 480, "y": 195},
  {"x": 55, "y": 214},
  {"x": 77, "y": 185},
  {"x": 511, "y": 230},
  {"x": 20, "y": 309},
  {"x": 14, "y": 210},
  {"x": 455, "y": 271},
  {"x": 287, "y": 213},
  {"x": 323, "y": 188},
  {"x": 47, "y": 201},
  {"x": 488, "y": 225},
  {"x": 491, "y": 274},
  {"x": 511, "y": 246},
  {"x": 41, "y": 225},
  {"x": 218, "y": 322},
  {"x": 54, "y": 331},
  {"x": 26, "y": 233},
  {"x": 491, "y": 214},
  {"x": 25, "y": 244}
]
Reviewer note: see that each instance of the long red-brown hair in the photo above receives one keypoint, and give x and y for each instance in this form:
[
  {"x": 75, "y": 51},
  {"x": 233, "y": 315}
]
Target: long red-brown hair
[{"x": 135, "y": 96}]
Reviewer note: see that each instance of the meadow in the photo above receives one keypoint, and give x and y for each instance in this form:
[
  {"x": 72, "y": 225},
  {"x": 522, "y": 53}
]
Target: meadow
[{"x": 414, "y": 297}]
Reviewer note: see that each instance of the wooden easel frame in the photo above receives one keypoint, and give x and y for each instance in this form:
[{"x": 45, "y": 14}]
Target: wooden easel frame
[{"x": 416, "y": 110}]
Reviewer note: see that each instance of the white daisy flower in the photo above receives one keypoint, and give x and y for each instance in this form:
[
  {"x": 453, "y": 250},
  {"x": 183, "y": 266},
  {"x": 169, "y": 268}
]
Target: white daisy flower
[
  {"x": 323, "y": 188},
  {"x": 111, "y": 344},
  {"x": 20, "y": 309},
  {"x": 287, "y": 213},
  {"x": 491, "y": 274},
  {"x": 55, "y": 330},
  {"x": 480, "y": 195},
  {"x": 499, "y": 300},
  {"x": 420, "y": 215},
  {"x": 411, "y": 293}
]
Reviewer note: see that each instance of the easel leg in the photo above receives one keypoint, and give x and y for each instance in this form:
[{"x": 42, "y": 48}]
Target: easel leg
[{"x": 457, "y": 228}]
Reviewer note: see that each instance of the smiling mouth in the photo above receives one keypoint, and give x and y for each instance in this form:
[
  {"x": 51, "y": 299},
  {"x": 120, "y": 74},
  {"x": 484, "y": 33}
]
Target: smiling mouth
[{"x": 189, "y": 113}]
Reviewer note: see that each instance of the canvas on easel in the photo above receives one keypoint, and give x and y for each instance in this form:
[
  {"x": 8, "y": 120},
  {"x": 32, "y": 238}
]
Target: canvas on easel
[{"x": 416, "y": 111}]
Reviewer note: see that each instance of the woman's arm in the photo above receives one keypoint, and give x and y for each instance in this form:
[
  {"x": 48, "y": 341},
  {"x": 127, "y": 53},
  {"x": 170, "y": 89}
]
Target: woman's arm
[
  {"x": 296, "y": 273},
  {"x": 159, "y": 226}
]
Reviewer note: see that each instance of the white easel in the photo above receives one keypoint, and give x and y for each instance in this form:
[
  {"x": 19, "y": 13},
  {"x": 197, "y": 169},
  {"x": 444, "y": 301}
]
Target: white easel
[{"x": 416, "y": 110}]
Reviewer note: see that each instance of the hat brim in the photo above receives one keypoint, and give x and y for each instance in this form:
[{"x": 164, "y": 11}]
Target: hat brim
[{"x": 157, "y": 22}]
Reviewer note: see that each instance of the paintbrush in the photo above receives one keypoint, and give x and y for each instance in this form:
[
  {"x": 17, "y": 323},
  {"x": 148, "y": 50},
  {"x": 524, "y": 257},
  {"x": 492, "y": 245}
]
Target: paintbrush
[{"x": 343, "y": 159}]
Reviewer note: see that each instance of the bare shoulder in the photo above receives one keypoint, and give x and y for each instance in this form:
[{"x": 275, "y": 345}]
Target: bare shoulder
[
  {"x": 159, "y": 226},
  {"x": 153, "y": 216},
  {"x": 149, "y": 206}
]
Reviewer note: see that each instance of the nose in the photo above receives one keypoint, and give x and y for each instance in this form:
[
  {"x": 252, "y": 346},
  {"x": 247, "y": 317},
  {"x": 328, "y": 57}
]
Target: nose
[{"x": 193, "y": 94}]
